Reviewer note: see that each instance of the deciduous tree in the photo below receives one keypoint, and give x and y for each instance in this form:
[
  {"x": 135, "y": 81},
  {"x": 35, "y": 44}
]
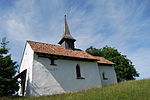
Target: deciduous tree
[{"x": 123, "y": 66}]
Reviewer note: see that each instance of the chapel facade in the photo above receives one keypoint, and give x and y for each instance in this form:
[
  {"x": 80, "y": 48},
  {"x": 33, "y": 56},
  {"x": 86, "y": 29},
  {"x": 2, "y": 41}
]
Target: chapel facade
[{"x": 48, "y": 69}]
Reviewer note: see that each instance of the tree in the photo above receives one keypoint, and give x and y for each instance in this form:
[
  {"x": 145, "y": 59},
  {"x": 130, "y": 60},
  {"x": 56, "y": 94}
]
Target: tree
[
  {"x": 123, "y": 66},
  {"x": 8, "y": 84}
]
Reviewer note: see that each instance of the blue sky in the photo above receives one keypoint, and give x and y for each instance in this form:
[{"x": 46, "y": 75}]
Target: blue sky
[{"x": 123, "y": 24}]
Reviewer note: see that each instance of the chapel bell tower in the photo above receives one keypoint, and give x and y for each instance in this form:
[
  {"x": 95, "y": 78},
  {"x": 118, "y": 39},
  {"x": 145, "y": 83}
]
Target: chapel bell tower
[{"x": 67, "y": 41}]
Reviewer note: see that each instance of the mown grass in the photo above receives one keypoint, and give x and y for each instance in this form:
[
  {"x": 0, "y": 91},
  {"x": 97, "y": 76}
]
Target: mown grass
[{"x": 131, "y": 90}]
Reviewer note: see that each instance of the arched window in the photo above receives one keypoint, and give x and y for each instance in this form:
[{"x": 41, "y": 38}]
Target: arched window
[
  {"x": 78, "y": 71},
  {"x": 104, "y": 76}
]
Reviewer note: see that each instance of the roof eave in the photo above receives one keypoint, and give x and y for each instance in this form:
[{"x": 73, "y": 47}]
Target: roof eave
[
  {"x": 64, "y": 57},
  {"x": 106, "y": 64},
  {"x": 60, "y": 42}
]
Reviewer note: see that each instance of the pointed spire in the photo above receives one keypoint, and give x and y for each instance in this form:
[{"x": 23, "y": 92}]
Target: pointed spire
[
  {"x": 66, "y": 30},
  {"x": 67, "y": 41}
]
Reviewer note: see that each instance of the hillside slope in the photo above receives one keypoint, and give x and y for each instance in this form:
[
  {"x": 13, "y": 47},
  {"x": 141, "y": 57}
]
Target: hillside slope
[{"x": 131, "y": 90}]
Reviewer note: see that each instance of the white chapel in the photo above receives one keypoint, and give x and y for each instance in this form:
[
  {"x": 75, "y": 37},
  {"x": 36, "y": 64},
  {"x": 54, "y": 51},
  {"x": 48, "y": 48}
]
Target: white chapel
[{"x": 48, "y": 69}]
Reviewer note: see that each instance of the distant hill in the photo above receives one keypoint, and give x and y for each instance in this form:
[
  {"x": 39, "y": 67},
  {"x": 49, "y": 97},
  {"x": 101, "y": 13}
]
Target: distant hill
[{"x": 131, "y": 90}]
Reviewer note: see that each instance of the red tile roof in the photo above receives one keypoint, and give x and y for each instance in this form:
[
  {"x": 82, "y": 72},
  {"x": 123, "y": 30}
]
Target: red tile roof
[
  {"x": 58, "y": 50},
  {"x": 61, "y": 51},
  {"x": 102, "y": 60}
]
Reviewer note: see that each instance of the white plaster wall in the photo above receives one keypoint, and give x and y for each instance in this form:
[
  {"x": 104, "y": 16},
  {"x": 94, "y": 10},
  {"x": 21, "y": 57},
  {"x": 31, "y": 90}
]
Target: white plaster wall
[
  {"x": 51, "y": 79},
  {"x": 26, "y": 63},
  {"x": 109, "y": 73}
]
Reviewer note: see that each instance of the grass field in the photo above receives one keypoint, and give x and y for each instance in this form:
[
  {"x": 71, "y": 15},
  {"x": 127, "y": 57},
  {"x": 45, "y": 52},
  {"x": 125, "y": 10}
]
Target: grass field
[{"x": 131, "y": 90}]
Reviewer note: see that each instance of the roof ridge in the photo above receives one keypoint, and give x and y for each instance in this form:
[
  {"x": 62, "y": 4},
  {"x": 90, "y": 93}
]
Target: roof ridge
[
  {"x": 58, "y": 46},
  {"x": 44, "y": 43}
]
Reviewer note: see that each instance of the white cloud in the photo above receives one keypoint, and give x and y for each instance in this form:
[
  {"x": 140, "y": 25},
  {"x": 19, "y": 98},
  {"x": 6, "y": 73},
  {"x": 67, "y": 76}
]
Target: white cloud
[{"x": 17, "y": 30}]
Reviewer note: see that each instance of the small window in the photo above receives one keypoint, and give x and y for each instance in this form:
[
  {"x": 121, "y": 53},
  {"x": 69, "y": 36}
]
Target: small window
[
  {"x": 104, "y": 76},
  {"x": 52, "y": 62},
  {"x": 78, "y": 73}
]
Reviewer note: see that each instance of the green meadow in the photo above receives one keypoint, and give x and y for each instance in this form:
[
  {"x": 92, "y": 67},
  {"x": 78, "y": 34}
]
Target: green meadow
[{"x": 130, "y": 90}]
